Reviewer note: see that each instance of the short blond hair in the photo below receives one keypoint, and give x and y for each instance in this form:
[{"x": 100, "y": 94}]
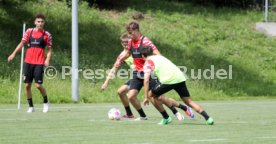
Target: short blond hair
[{"x": 124, "y": 36}]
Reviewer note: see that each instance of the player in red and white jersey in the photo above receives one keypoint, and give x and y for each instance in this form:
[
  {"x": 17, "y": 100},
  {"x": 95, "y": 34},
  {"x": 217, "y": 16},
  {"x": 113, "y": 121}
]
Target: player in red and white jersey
[
  {"x": 37, "y": 39},
  {"x": 35, "y": 54},
  {"x": 134, "y": 47}
]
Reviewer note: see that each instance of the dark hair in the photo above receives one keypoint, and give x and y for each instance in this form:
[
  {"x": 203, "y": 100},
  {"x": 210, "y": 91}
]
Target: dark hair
[
  {"x": 133, "y": 26},
  {"x": 42, "y": 16},
  {"x": 146, "y": 51}
]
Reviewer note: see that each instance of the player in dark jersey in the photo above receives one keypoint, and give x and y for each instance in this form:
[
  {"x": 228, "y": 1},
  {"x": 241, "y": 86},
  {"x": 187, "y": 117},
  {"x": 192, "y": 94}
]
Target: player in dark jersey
[{"x": 37, "y": 40}]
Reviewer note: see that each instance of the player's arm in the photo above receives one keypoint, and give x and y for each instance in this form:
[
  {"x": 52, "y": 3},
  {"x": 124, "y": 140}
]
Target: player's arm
[
  {"x": 148, "y": 42},
  {"x": 48, "y": 57},
  {"x": 146, "y": 87},
  {"x": 24, "y": 40},
  {"x": 122, "y": 58},
  {"x": 49, "y": 52},
  {"x": 17, "y": 49},
  {"x": 109, "y": 77},
  {"x": 115, "y": 67},
  {"x": 147, "y": 68},
  {"x": 156, "y": 52}
]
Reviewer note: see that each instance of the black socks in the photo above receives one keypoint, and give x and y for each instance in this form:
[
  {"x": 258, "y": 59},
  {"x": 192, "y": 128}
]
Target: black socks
[
  {"x": 128, "y": 110},
  {"x": 173, "y": 109},
  {"x": 45, "y": 99},
  {"x": 30, "y": 101},
  {"x": 141, "y": 113},
  {"x": 165, "y": 114},
  {"x": 183, "y": 107},
  {"x": 205, "y": 115}
]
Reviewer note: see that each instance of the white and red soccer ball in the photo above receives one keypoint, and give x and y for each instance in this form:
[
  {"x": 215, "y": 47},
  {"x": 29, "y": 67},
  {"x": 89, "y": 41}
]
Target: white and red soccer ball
[{"x": 114, "y": 114}]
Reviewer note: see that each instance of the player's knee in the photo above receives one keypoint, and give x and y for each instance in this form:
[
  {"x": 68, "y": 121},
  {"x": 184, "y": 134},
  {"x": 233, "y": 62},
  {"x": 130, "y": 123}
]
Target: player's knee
[
  {"x": 158, "y": 97},
  {"x": 131, "y": 97},
  {"x": 154, "y": 94},
  {"x": 28, "y": 86},
  {"x": 151, "y": 94},
  {"x": 186, "y": 100},
  {"x": 39, "y": 86},
  {"x": 120, "y": 92}
]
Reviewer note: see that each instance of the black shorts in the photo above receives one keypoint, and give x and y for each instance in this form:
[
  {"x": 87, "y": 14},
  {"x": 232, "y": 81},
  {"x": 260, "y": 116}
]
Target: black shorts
[
  {"x": 33, "y": 71},
  {"x": 160, "y": 89},
  {"x": 127, "y": 83},
  {"x": 137, "y": 80}
]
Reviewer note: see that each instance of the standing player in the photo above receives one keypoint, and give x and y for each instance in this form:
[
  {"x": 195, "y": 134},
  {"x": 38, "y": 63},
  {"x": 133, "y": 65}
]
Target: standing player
[
  {"x": 170, "y": 77},
  {"x": 37, "y": 39}
]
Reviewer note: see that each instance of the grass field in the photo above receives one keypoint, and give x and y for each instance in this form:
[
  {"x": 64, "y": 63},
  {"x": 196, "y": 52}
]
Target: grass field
[{"x": 235, "y": 122}]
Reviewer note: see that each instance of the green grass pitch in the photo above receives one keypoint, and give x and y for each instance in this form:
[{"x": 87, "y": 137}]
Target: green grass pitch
[{"x": 251, "y": 122}]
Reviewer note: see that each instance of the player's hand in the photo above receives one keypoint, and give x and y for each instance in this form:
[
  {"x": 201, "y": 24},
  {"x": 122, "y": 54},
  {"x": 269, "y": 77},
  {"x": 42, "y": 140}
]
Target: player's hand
[
  {"x": 146, "y": 102},
  {"x": 46, "y": 63},
  {"x": 11, "y": 57},
  {"x": 104, "y": 86}
]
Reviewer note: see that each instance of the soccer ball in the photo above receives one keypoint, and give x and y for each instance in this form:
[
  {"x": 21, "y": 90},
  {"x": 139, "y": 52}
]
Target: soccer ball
[{"x": 114, "y": 114}]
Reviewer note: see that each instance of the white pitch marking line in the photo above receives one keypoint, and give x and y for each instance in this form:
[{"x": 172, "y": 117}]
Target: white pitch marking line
[
  {"x": 266, "y": 137},
  {"x": 92, "y": 120},
  {"x": 240, "y": 122},
  {"x": 239, "y": 102},
  {"x": 66, "y": 107},
  {"x": 7, "y": 109},
  {"x": 118, "y": 105},
  {"x": 207, "y": 140},
  {"x": 141, "y": 143},
  {"x": 13, "y": 119}
]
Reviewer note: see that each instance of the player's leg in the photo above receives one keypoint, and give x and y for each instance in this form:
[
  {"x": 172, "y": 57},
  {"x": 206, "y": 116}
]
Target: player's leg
[
  {"x": 183, "y": 92},
  {"x": 122, "y": 92},
  {"x": 172, "y": 103},
  {"x": 188, "y": 111},
  {"x": 28, "y": 78},
  {"x": 158, "y": 92},
  {"x": 158, "y": 104},
  {"x": 38, "y": 75},
  {"x": 134, "y": 88},
  {"x": 28, "y": 87},
  {"x": 154, "y": 83}
]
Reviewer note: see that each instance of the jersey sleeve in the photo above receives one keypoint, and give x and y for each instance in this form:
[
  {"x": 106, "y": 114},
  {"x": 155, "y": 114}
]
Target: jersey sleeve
[
  {"x": 26, "y": 36},
  {"x": 148, "y": 66},
  {"x": 148, "y": 42},
  {"x": 49, "y": 39}
]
